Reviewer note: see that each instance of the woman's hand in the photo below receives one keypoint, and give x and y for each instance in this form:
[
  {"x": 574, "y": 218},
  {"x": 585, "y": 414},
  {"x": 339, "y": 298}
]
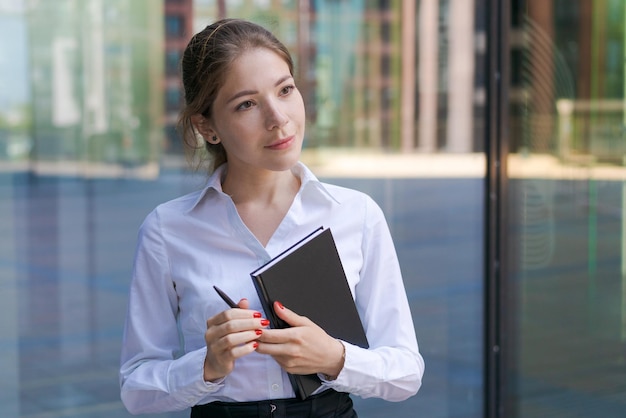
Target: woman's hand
[
  {"x": 305, "y": 348},
  {"x": 231, "y": 334}
]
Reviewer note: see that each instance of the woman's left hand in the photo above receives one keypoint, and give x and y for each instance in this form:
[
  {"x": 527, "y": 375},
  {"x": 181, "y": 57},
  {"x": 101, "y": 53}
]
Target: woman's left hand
[{"x": 305, "y": 348}]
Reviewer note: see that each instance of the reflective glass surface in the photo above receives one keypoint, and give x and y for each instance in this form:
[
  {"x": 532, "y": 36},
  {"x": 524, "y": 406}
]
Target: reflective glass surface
[
  {"x": 566, "y": 209},
  {"x": 88, "y": 105}
]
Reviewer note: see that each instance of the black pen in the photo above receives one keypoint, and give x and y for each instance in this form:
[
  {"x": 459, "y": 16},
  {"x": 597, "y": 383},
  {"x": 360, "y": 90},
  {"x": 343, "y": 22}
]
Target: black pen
[{"x": 225, "y": 297}]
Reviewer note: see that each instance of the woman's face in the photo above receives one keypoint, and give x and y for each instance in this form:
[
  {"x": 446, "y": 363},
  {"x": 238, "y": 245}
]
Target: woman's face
[{"x": 258, "y": 113}]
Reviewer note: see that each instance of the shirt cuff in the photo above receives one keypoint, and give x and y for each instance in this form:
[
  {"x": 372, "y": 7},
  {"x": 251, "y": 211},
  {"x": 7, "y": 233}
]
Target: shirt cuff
[
  {"x": 350, "y": 376},
  {"x": 192, "y": 385}
]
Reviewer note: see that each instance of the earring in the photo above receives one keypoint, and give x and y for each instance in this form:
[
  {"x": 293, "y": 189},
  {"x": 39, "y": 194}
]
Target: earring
[{"x": 214, "y": 140}]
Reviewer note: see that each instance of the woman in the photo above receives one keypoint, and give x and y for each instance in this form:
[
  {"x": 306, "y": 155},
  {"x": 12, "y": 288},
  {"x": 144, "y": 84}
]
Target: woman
[{"x": 182, "y": 348}]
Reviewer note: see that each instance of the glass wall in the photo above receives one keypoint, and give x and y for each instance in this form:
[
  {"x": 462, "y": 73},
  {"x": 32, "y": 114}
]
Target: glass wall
[
  {"x": 89, "y": 98},
  {"x": 566, "y": 208}
]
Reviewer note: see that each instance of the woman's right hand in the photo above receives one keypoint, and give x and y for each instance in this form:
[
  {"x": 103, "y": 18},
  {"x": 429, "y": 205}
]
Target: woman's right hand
[{"x": 231, "y": 334}]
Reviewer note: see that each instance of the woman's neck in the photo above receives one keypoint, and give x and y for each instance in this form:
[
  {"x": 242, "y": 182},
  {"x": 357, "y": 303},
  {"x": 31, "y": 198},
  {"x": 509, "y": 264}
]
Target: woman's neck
[
  {"x": 262, "y": 187},
  {"x": 262, "y": 201}
]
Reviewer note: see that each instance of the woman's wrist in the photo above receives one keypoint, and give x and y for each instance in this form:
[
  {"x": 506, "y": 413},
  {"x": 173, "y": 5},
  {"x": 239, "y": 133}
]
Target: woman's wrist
[
  {"x": 339, "y": 365},
  {"x": 208, "y": 374}
]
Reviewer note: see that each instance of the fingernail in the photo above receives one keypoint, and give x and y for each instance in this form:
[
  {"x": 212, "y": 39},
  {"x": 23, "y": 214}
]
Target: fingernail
[
  {"x": 280, "y": 305},
  {"x": 257, "y": 314},
  {"x": 265, "y": 322},
  {"x": 258, "y": 331},
  {"x": 255, "y": 345}
]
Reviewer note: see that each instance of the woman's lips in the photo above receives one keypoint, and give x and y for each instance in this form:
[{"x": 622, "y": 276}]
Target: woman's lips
[{"x": 281, "y": 143}]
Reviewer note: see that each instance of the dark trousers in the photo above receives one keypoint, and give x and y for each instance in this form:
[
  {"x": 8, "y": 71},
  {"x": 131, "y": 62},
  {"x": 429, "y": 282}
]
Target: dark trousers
[{"x": 328, "y": 404}]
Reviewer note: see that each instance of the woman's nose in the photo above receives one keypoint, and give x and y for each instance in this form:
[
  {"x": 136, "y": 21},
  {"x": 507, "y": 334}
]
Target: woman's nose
[{"x": 276, "y": 116}]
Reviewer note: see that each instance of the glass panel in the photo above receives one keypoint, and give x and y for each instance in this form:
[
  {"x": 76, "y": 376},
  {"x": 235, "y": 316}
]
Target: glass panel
[
  {"x": 89, "y": 101},
  {"x": 174, "y": 26},
  {"x": 567, "y": 235}
]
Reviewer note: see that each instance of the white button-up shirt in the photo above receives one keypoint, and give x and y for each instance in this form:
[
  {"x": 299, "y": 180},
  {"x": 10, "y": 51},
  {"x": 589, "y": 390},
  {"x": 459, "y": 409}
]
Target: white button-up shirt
[{"x": 189, "y": 244}]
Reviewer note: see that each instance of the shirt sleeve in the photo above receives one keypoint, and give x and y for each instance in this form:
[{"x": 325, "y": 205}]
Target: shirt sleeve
[
  {"x": 392, "y": 367},
  {"x": 153, "y": 377}
]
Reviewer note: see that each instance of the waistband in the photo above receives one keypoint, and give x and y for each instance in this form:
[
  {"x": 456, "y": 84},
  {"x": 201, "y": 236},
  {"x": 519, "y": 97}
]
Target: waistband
[{"x": 328, "y": 404}]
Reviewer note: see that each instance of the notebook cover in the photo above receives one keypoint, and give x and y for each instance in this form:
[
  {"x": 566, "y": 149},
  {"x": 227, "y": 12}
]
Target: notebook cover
[{"x": 309, "y": 279}]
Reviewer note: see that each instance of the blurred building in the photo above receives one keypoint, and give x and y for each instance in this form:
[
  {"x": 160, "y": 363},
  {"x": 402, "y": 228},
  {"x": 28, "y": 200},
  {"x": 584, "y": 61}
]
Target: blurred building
[
  {"x": 567, "y": 79},
  {"x": 95, "y": 82},
  {"x": 366, "y": 72},
  {"x": 102, "y": 92},
  {"x": 178, "y": 32},
  {"x": 14, "y": 95}
]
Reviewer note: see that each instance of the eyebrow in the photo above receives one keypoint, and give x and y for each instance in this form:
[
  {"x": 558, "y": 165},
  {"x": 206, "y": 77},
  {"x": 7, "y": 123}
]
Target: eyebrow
[{"x": 247, "y": 92}]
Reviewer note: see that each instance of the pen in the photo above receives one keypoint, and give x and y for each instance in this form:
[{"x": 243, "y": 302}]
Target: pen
[{"x": 225, "y": 297}]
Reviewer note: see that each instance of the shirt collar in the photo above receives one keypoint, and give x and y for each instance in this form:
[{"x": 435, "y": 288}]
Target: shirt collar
[{"x": 306, "y": 176}]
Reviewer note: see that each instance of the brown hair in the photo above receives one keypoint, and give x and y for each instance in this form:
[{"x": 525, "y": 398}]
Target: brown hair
[{"x": 205, "y": 63}]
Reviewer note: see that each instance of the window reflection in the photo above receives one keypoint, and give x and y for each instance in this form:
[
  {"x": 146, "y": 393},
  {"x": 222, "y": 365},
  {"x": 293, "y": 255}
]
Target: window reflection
[
  {"x": 566, "y": 194},
  {"x": 93, "y": 75},
  {"x": 88, "y": 145},
  {"x": 174, "y": 26}
]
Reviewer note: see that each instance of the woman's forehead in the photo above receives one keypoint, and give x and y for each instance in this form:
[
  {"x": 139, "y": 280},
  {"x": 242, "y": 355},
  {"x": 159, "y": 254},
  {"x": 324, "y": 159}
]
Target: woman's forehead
[{"x": 256, "y": 68}]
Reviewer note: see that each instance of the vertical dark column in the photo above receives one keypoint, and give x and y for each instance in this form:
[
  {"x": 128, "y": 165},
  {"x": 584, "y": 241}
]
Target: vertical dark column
[
  {"x": 583, "y": 86},
  {"x": 497, "y": 345},
  {"x": 304, "y": 54},
  {"x": 541, "y": 88},
  {"x": 385, "y": 72},
  {"x": 585, "y": 61},
  {"x": 221, "y": 9}
]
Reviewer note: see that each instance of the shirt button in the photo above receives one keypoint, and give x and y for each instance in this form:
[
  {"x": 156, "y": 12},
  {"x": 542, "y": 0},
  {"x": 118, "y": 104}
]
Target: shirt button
[{"x": 275, "y": 387}]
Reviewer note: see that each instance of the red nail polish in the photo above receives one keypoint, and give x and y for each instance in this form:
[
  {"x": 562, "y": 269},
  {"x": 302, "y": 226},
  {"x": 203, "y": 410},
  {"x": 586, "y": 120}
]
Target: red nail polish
[
  {"x": 265, "y": 322},
  {"x": 257, "y": 315},
  {"x": 255, "y": 345},
  {"x": 280, "y": 305},
  {"x": 258, "y": 331}
]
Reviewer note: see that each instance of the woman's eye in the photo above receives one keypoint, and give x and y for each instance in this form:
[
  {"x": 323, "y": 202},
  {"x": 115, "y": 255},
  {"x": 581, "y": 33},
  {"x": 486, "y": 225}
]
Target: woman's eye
[
  {"x": 245, "y": 105},
  {"x": 287, "y": 89}
]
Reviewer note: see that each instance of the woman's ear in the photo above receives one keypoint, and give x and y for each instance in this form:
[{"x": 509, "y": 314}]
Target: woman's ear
[{"x": 202, "y": 125}]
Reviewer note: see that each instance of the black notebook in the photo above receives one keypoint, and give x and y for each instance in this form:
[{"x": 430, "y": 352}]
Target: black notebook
[{"x": 309, "y": 279}]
